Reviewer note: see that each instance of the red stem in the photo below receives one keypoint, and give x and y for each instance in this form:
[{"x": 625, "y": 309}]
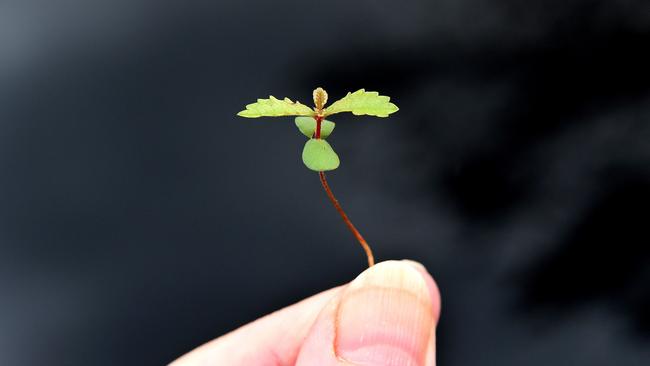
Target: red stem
[
  {"x": 319, "y": 120},
  {"x": 355, "y": 232}
]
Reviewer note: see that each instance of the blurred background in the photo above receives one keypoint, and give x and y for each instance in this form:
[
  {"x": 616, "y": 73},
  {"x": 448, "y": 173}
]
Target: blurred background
[{"x": 139, "y": 217}]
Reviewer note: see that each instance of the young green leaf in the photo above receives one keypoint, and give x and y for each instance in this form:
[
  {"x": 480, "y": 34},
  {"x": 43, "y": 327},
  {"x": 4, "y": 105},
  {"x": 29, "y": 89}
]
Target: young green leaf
[
  {"x": 274, "y": 107},
  {"x": 307, "y": 125},
  {"x": 319, "y": 156},
  {"x": 362, "y": 102}
]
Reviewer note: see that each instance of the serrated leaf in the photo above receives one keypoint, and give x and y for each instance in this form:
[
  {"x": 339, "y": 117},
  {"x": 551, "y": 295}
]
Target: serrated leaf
[
  {"x": 362, "y": 102},
  {"x": 307, "y": 125},
  {"x": 320, "y": 98},
  {"x": 274, "y": 107},
  {"x": 319, "y": 156}
]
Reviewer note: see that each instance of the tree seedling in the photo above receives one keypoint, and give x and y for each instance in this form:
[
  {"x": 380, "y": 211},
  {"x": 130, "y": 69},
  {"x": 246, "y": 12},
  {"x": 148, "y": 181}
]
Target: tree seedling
[{"x": 318, "y": 154}]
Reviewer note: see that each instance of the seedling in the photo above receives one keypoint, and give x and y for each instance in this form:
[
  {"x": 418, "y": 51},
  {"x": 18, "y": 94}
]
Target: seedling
[{"x": 318, "y": 154}]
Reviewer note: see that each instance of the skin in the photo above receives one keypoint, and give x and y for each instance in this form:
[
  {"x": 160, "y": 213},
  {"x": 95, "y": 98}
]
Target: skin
[{"x": 385, "y": 317}]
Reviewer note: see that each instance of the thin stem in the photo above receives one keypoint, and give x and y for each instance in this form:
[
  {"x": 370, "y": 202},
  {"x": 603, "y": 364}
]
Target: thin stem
[
  {"x": 335, "y": 202},
  {"x": 319, "y": 120}
]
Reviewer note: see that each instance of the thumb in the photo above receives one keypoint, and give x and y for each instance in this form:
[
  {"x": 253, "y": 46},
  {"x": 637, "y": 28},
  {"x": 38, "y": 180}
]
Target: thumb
[{"x": 387, "y": 316}]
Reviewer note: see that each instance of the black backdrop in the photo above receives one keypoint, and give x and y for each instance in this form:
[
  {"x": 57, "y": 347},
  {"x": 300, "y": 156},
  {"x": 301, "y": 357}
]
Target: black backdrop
[{"x": 139, "y": 217}]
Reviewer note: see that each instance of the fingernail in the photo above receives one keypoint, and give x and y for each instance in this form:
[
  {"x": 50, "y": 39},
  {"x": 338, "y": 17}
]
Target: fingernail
[
  {"x": 385, "y": 317},
  {"x": 415, "y": 264}
]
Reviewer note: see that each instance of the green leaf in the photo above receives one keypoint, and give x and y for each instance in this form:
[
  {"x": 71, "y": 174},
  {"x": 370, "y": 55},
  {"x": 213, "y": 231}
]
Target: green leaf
[
  {"x": 307, "y": 125},
  {"x": 319, "y": 156},
  {"x": 362, "y": 102},
  {"x": 274, "y": 107}
]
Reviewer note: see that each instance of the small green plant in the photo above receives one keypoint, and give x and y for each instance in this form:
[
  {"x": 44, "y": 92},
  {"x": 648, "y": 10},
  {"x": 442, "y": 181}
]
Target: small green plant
[{"x": 318, "y": 154}]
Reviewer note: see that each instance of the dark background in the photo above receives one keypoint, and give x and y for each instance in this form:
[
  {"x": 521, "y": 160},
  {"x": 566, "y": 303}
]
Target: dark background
[{"x": 139, "y": 217}]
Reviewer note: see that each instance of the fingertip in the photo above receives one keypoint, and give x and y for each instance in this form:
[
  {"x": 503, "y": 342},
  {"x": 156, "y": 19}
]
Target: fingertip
[
  {"x": 387, "y": 315},
  {"x": 432, "y": 285}
]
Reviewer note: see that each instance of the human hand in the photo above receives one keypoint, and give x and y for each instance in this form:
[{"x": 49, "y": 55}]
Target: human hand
[{"x": 387, "y": 316}]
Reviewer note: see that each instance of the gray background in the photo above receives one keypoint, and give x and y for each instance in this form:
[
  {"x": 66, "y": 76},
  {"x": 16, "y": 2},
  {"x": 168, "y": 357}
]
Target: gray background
[{"x": 140, "y": 218}]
